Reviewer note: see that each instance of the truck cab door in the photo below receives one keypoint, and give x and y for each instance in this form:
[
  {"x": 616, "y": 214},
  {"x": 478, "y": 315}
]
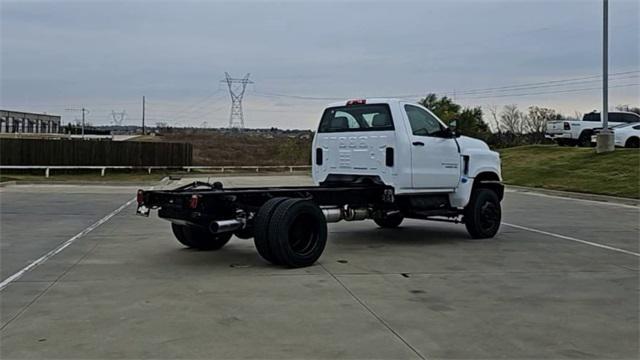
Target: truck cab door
[{"x": 435, "y": 159}]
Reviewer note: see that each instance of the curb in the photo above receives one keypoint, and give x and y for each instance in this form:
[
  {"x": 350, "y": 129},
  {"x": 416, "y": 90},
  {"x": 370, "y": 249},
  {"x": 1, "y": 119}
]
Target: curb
[
  {"x": 577, "y": 195},
  {"x": 7, "y": 183}
]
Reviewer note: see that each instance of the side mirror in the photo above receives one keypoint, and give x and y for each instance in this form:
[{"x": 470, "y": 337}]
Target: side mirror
[{"x": 453, "y": 125}]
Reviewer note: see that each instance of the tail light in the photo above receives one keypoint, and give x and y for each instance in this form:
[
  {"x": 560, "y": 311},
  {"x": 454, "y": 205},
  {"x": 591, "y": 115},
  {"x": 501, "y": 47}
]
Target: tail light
[
  {"x": 140, "y": 197},
  {"x": 193, "y": 202},
  {"x": 567, "y": 126}
]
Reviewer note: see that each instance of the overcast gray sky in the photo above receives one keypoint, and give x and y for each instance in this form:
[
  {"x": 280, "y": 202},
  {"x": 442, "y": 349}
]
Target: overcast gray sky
[{"x": 106, "y": 55}]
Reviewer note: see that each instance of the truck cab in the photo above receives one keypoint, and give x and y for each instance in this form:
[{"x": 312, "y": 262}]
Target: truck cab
[{"x": 402, "y": 145}]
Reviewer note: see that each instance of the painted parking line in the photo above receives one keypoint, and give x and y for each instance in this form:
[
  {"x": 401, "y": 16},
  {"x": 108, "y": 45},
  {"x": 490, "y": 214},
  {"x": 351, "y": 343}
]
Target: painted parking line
[
  {"x": 564, "y": 198},
  {"x": 564, "y": 237},
  {"x": 63, "y": 246}
]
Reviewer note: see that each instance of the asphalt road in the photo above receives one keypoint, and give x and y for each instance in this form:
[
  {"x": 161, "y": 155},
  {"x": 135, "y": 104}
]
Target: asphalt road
[{"x": 561, "y": 280}]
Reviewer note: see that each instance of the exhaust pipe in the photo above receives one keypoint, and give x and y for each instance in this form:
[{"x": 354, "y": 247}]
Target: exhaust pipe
[
  {"x": 332, "y": 214},
  {"x": 355, "y": 214},
  {"x": 349, "y": 214},
  {"x": 222, "y": 226}
]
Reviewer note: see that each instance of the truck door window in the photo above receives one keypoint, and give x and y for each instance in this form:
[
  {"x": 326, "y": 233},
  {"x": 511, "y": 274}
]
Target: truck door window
[
  {"x": 422, "y": 123},
  {"x": 369, "y": 117}
]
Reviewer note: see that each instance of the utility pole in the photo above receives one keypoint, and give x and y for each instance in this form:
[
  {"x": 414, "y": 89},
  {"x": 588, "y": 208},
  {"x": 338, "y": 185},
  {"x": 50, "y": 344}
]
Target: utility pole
[
  {"x": 605, "y": 138},
  {"x": 236, "y": 91},
  {"x": 83, "y": 112},
  {"x": 143, "y": 108}
]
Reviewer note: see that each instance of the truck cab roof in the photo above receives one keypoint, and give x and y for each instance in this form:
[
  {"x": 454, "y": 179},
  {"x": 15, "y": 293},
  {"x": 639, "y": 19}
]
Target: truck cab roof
[{"x": 365, "y": 101}]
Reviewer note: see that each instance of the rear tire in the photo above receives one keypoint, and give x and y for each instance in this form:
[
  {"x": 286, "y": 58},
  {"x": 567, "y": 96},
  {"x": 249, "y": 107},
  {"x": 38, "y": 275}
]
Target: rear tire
[
  {"x": 297, "y": 233},
  {"x": 202, "y": 239},
  {"x": 389, "y": 222},
  {"x": 585, "y": 139},
  {"x": 179, "y": 234},
  {"x": 483, "y": 214},
  {"x": 261, "y": 229},
  {"x": 633, "y": 142}
]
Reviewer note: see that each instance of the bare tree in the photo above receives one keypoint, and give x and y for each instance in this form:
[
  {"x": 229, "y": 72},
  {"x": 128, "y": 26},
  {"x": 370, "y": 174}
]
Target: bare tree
[
  {"x": 494, "y": 123},
  {"x": 577, "y": 115},
  {"x": 512, "y": 119},
  {"x": 628, "y": 108},
  {"x": 536, "y": 121}
]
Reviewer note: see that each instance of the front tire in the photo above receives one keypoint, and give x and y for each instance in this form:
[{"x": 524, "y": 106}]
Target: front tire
[
  {"x": 297, "y": 233},
  {"x": 483, "y": 214},
  {"x": 199, "y": 238},
  {"x": 633, "y": 142}
]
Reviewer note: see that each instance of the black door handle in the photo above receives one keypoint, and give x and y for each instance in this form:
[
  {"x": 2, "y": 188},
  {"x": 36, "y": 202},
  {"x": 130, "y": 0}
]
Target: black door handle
[{"x": 418, "y": 143}]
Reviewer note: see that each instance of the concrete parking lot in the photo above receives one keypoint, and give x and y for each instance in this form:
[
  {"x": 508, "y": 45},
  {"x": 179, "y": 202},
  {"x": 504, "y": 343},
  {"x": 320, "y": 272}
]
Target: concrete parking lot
[{"x": 560, "y": 280}]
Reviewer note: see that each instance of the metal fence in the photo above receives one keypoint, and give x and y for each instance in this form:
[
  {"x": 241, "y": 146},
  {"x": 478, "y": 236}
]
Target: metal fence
[{"x": 44, "y": 152}]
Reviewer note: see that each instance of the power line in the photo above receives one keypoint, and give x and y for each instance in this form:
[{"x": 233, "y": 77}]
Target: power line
[
  {"x": 551, "y": 83},
  {"x": 195, "y": 113},
  {"x": 479, "y": 91},
  {"x": 547, "y": 92},
  {"x": 196, "y": 103},
  {"x": 301, "y": 97}
]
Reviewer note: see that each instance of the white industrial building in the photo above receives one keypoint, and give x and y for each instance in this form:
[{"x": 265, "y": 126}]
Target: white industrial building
[{"x": 31, "y": 123}]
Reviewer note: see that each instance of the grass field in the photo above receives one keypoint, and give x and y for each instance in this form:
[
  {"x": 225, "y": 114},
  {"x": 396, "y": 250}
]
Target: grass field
[
  {"x": 242, "y": 149},
  {"x": 573, "y": 169}
]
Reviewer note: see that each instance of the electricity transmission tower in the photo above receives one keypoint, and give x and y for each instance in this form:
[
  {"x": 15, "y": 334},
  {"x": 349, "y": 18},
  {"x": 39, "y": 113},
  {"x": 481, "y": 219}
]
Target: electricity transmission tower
[
  {"x": 236, "y": 90},
  {"x": 118, "y": 117}
]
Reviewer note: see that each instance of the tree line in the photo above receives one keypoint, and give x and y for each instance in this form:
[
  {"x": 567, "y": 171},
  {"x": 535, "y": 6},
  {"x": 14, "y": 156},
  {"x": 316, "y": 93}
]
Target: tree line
[{"x": 508, "y": 126}]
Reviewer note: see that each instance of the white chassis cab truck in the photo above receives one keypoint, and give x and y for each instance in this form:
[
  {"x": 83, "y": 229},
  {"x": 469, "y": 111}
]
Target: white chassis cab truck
[{"x": 379, "y": 159}]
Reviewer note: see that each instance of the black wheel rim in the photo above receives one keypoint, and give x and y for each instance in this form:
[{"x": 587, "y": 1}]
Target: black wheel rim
[
  {"x": 489, "y": 216},
  {"x": 303, "y": 234}
]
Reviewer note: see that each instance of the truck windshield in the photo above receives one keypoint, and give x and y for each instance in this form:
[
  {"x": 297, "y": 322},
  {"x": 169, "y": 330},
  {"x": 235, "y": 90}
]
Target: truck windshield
[{"x": 372, "y": 117}]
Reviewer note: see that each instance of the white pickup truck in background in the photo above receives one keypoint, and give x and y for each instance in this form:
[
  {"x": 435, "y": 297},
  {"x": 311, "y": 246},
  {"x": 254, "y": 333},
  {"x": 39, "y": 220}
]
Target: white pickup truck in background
[{"x": 576, "y": 132}]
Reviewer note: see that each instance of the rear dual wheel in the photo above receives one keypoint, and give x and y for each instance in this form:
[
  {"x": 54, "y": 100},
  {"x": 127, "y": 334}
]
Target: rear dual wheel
[
  {"x": 199, "y": 238},
  {"x": 290, "y": 232}
]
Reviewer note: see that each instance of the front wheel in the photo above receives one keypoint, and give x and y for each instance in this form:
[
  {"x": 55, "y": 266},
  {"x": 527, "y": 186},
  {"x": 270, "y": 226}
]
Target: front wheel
[
  {"x": 483, "y": 214},
  {"x": 633, "y": 142}
]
